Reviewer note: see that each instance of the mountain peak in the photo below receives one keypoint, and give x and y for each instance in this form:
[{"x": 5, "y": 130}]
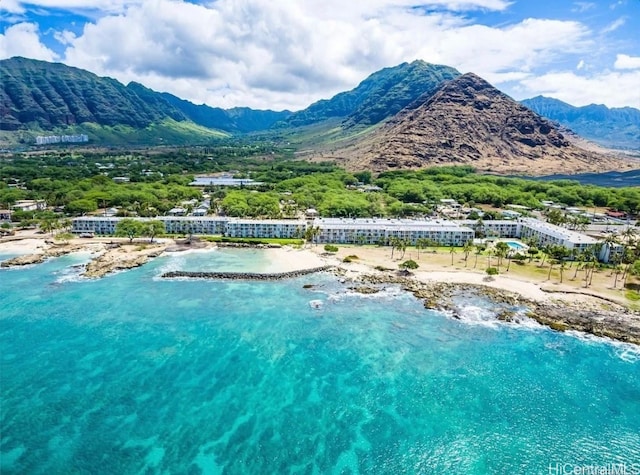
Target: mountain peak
[
  {"x": 468, "y": 121},
  {"x": 380, "y": 96}
]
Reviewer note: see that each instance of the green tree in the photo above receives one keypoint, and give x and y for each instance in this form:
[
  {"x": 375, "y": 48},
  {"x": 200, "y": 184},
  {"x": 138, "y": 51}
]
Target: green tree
[
  {"x": 491, "y": 271},
  {"x": 409, "y": 265},
  {"x": 81, "y": 206},
  {"x": 152, "y": 228},
  {"x": 129, "y": 228}
]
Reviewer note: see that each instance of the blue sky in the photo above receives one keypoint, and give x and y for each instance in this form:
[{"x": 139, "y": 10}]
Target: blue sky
[{"x": 281, "y": 54}]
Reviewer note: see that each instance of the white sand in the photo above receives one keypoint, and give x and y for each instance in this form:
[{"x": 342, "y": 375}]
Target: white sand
[
  {"x": 23, "y": 246},
  {"x": 287, "y": 259}
]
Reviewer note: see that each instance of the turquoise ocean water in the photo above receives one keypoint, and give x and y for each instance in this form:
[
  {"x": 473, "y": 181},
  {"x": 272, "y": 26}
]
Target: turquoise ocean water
[{"x": 135, "y": 374}]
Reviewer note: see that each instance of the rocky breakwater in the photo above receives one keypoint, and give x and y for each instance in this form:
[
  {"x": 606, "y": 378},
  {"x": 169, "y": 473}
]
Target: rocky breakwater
[
  {"x": 121, "y": 258},
  {"x": 245, "y": 275},
  {"x": 39, "y": 257}
]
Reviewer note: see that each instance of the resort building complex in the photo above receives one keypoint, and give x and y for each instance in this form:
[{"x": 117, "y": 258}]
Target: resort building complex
[
  {"x": 379, "y": 231},
  {"x": 358, "y": 230}
]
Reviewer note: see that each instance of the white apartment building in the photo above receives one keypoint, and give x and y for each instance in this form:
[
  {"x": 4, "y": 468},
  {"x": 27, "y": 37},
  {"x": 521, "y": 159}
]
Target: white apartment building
[
  {"x": 267, "y": 228},
  {"x": 550, "y": 234},
  {"x": 502, "y": 228},
  {"x": 380, "y": 231},
  {"x": 358, "y": 231},
  {"x": 172, "y": 224}
]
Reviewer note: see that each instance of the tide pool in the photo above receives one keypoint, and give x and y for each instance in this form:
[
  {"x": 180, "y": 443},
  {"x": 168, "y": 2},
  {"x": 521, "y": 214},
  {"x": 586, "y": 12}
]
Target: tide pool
[{"x": 137, "y": 374}]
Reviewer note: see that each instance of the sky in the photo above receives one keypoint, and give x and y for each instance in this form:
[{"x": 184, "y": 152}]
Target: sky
[{"x": 287, "y": 54}]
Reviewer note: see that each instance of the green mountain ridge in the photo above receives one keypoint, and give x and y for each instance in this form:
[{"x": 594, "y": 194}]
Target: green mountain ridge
[
  {"x": 42, "y": 98},
  {"x": 611, "y": 127},
  {"x": 37, "y": 94},
  {"x": 380, "y": 96},
  {"x": 235, "y": 120}
]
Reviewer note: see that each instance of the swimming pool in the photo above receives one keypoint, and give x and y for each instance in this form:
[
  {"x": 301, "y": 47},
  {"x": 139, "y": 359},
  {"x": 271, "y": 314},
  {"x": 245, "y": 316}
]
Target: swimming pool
[{"x": 516, "y": 245}]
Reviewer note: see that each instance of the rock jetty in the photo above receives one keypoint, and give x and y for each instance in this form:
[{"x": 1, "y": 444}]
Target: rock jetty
[{"x": 245, "y": 275}]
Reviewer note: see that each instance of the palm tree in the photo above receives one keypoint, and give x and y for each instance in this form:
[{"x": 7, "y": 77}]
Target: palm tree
[
  {"x": 48, "y": 225},
  {"x": 502, "y": 248},
  {"x": 490, "y": 252},
  {"x": 393, "y": 242},
  {"x": 563, "y": 264},
  {"x": 452, "y": 251},
  {"x": 546, "y": 250},
  {"x": 421, "y": 244},
  {"x": 479, "y": 249},
  {"x": 403, "y": 247},
  {"x": 581, "y": 256},
  {"x": 466, "y": 249}
]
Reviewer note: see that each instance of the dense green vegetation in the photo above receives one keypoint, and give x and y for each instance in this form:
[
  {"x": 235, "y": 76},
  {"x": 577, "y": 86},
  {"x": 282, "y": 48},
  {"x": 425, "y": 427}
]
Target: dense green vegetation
[
  {"x": 159, "y": 180},
  {"x": 462, "y": 184}
]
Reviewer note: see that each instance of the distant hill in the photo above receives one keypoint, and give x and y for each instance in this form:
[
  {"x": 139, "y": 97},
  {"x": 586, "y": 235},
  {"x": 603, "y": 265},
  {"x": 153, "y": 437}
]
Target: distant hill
[
  {"x": 615, "y": 127},
  {"x": 236, "y": 120},
  {"x": 468, "y": 121},
  {"x": 380, "y": 96}
]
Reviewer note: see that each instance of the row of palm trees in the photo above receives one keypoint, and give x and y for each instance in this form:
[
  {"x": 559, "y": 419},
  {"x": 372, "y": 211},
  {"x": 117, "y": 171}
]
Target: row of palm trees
[
  {"x": 625, "y": 251},
  {"x": 50, "y": 224}
]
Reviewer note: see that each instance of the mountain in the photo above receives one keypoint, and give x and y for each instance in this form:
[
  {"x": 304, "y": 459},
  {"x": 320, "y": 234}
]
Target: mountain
[
  {"x": 468, "y": 121},
  {"x": 381, "y": 95},
  {"x": 51, "y": 98},
  {"x": 615, "y": 127},
  {"x": 48, "y": 95},
  {"x": 236, "y": 120}
]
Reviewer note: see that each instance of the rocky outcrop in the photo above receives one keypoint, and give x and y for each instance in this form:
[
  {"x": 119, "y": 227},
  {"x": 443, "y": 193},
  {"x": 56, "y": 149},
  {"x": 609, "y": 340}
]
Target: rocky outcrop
[
  {"x": 37, "y": 258},
  {"x": 121, "y": 258},
  {"x": 619, "y": 324},
  {"x": 468, "y": 121}
]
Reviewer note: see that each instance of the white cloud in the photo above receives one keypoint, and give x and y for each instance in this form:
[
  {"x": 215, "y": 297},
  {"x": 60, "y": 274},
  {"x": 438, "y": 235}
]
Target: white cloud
[
  {"x": 22, "y": 39},
  {"x": 64, "y": 37},
  {"x": 614, "y": 25},
  {"x": 108, "y": 6},
  {"x": 580, "y": 64},
  {"x": 275, "y": 54},
  {"x": 581, "y": 7},
  {"x": 624, "y": 61},
  {"x": 11, "y": 6},
  {"x": 615, "y": 89}
]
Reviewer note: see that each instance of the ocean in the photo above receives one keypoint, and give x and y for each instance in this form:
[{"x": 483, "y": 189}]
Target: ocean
[{"x": 136, "y": 374}]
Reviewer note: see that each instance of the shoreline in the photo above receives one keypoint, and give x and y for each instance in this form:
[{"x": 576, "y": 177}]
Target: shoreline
[{"x": 558, "y": 307}]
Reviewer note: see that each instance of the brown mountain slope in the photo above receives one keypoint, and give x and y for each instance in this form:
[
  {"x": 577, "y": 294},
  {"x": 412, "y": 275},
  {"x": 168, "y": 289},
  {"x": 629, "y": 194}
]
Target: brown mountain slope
[{"x": 468, "y": 121}]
